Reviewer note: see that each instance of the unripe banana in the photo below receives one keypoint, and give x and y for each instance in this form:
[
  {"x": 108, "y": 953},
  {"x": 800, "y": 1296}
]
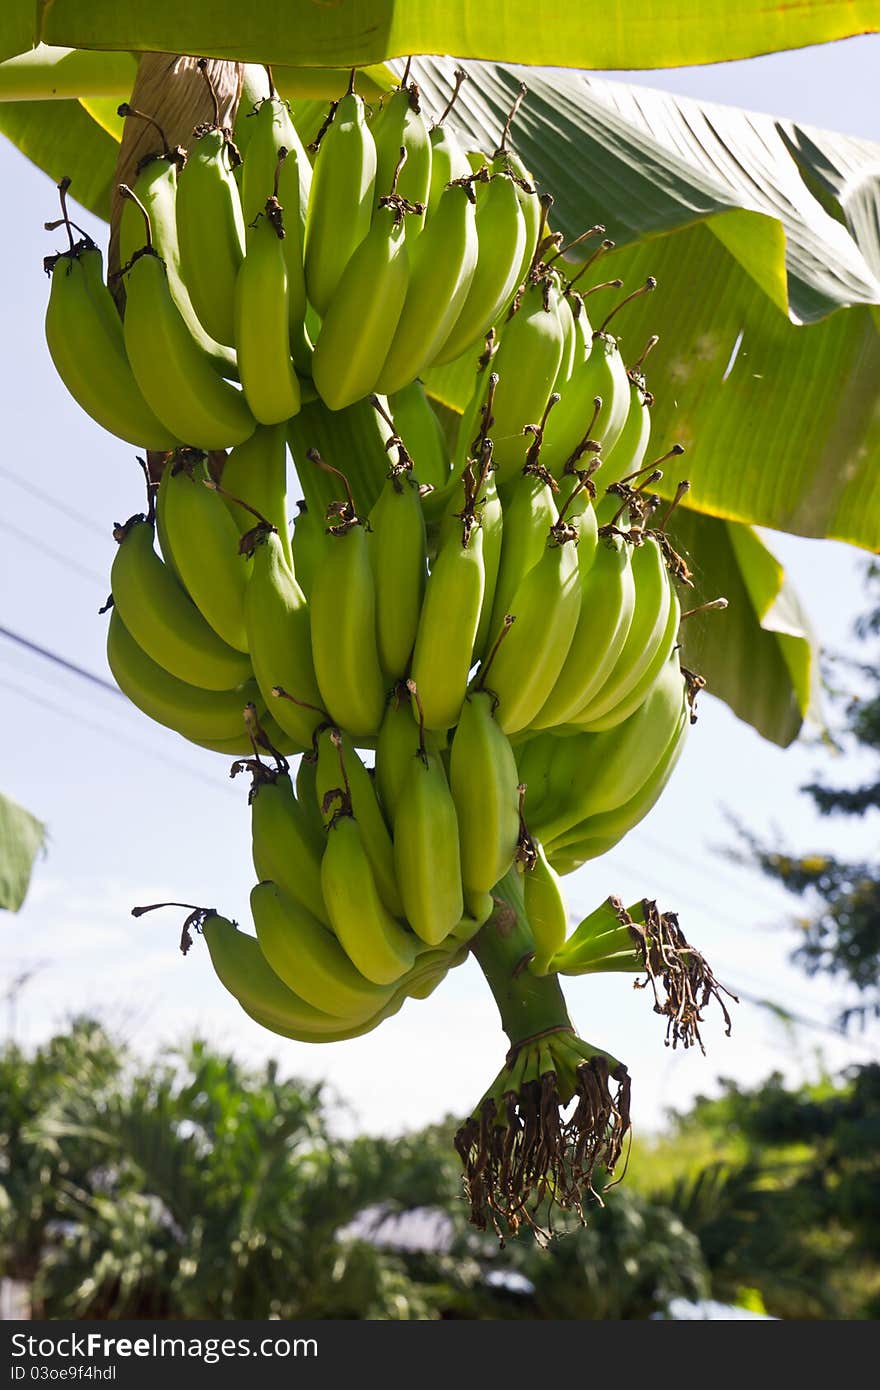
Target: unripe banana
[
  {"x": 156, "y": 189},
  {"x": 426, "y": 851},
  {"x": 607, "y": 605},
  {"x": 610, "y": 826},
  {"x": 443, "y": 653},
  {"x": 483, "y": 779},
  {"x": 262, "y": 322},
  {"x": 88, "y": 351},
  {"x": 606, "y": 929},
  {"x": 285, "y": 845},
  {"x": 416, "y": 423},
  {"x": 341, "y": 200},
  {"x": 210, "y": 230},
  {"x": 396, "y": 749},
  {"x": 528, "y": 514},
  {"x": 545, "y": 910},
  {"x": 162, "y": 618},
  {"x": 309, "y": 959},
  {"x": 243, "y": 970},
  {"x": 307, "y": 546},
  {"x": 530, "y": 204},
  {"x": 527, "y": 363},
  {"x": 256, "y": 472},
  {"x": 653, "y": 596},
  {"x": 501, "y": 238},
  {"x": 531, "y": 654},
  {"x": 377, "y": 945},
  {"x": 628, "y": 454},
  {"x": 492, "y": 527},
  {"x": 276, "y": 615},
  {"x": 363, "y": 314},
  {"x": 399, "y": 125},
  {"x": 645, "y": 684},
  {"x": 343, "y": 610},
  {"x": 604, "y": 375},
  {"x": 343, "y": 783},
  {"x": 575, "y": 415},
  {"x": 176, "y": 377},
  {"x": 270, "y": 131},
  {"x": 199, "y": 715},
  {"x": 448, "y": 163},
  {"x": 204, "y": 542},
  {"x": 307, "y": 796},
  {"x": 398, "y": 556},
  {"x": 591, "y": 774},
  {"x": 442, "y": 262}
]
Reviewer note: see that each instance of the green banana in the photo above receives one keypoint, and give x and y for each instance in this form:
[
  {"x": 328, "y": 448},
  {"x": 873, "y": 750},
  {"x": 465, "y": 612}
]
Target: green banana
[
  {"x": 341, "y": 200},
  {"x": 243, "y": 970},
  {"x": 645, "y": 684},
  {"x": 307, "y": 546},
  {"x": 261, "y": 316},
  {"x": 448, "y": 163},
  {"x": 653, "y": 597},
  {"x": 285, "y": 845},
  {"x": 545, "y": 910},
  {"x": 416, "y": 423},
  {"x": 530, "y": 654},
  {"x": 276, "y": 615},
  {"x": 501, "y": 239},
  {"x": 426, "y": 851},
  {"x": 607, "y": 604},
  {"x": 442, "y": 261},
  {"x": 162, "y": 618},
  {"x": 199, "y": 715},
  {"x": 85, "y": 341},
  {"x": 256, "y": 472},
  {"x": 443, "y": 653},
  {"x": 376, "y": 944},
  {"x": 156, "y": 189},
  {"x": 343, "y": 784},
  {"x": 344, "y": 649},
  {"x": 176, "y": 377},
  {"x": 603, "y": 375},
  {"x": 399, "y": 125},
  {"x": 363, "y": 313},
  {"x": 396, "y": 749},
  {"x": 530, "y": 203},
  {"x": 611, "y": 826},
  {"x": 571, "y": 780},
  {"x": 308, "y": 958},
  {"x": 270, "y": 131},
  {"x": 606, "y": 931},
  {"x": 204, "y": 541},
  {"x": 210, "y": 229},
  {"x": 483, "y": 779},
  {"x": 527, "y": 363},
  {"x": 527, "y": 516},
  {"x": 398, "y": 557},
  {"x": 628, "y": 454},
  {"x": 492, "y": 527},
  {"x": 307, "y": 796}
]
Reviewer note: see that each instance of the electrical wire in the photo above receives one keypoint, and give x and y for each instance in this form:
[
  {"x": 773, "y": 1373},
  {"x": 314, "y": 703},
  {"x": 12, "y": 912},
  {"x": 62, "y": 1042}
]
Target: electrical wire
[
  {"x": 70, "y": 512},
  {"x": 39, "y": 544},
  {"x": 59, "y": 660}
]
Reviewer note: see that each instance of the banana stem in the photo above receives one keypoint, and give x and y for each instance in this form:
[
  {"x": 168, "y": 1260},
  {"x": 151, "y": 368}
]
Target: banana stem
[{"x": 529, "y": 1005}]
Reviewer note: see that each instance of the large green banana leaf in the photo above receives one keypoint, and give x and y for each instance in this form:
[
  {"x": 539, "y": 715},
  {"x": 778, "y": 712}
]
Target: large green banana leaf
[
  {"x": 759, "y": 654},
  {"x": 22, "y": 837},
  {"x": 601, "y": 33}
]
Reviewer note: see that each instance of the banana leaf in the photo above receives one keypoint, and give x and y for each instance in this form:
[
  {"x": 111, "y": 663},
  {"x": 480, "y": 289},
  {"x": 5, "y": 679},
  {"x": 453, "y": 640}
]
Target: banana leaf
[
  {"x": 603, "y": 33},
  {"x": 22, "y": 837},
  {"x": 759, "y": 655}
]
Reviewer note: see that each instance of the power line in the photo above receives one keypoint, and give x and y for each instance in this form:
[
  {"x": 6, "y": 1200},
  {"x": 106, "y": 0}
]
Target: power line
[
  {"x": 39, "y": 544},
  {"x": 114, "y": 735},
  {"x": 59, "y": 661},
  {"x": 70, "y": 512}
]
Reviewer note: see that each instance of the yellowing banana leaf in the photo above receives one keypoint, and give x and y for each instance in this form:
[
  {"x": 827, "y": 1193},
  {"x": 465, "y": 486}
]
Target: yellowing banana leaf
[
  {"x": 759, "y": 654},
  {"x": 62, "y": 138},
  {"x": 22, "y": 837},
  {"x": 603, "y": 33}
]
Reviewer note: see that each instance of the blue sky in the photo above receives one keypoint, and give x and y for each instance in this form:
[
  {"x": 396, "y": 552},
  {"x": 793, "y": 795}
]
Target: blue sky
[{"x": 136, "y": 814}]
